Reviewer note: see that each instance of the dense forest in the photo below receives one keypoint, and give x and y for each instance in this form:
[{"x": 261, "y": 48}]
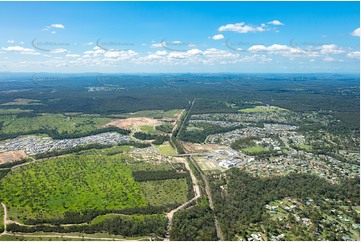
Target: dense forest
[
  {"x": 194, "y": 224},
  {"x": 243, "y": 202}
]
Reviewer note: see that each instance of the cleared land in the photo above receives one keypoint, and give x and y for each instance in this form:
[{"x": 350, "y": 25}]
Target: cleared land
[
  {"x": 165, "y": 192},
  {"x": 11, "y": 156},
  {"x": 48, "y": 189},
  {"x": 134, "y": 123},
  {"x": 166, "y": 149}
]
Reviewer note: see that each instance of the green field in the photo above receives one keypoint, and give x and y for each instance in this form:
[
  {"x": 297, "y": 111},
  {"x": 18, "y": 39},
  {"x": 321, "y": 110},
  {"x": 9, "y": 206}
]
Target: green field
[
  {"x": 165, "y": 192},
  {"x": 262, "y": 109},
  {"x": 305, "y": 147},
  {"x": 13, "y": 111},
  {"x": 254, "y": 150},
  {"x": 157, "y": 114},
  {"x": 48, "y": 189},
  {"x": 61, "y": 123},
  {"x": 149, "y": 129},
  {"x": 166, "y": 149}
]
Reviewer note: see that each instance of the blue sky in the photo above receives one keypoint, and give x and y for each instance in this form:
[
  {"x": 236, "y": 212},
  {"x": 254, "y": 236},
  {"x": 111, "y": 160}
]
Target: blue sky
[{"x": 152, "y": 37}]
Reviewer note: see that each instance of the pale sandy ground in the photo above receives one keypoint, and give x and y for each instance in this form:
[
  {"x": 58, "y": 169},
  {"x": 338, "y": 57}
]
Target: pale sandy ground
[{"x": 12, "y": 156}]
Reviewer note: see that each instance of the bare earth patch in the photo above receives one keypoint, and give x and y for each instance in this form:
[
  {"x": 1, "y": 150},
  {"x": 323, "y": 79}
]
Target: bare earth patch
[
  {"x": 136, "y": 123},
  {"x": 202, "y": 148},
  {"x": 12, "y": 156}
]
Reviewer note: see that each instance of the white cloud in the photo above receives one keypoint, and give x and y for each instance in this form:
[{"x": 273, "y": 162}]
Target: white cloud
[
  {"x": 10, "y": 41},
  {"x": 331, "y": 49},
  {"x": 177, "y": 42},
  {"x": 194, "y": 52},
  {"x": 53, "y": 32},
  {"x": 356, "y": 32},
  {"x": 257, "y": 48},
  {"x": 354, "y": 55},
  {"x": 72, "y": 55},
  {"x": 57, "y": 26},
  {"x": 120, "y": 54},
  {"x": 60, "y": 50},
  {"x": 275, "y": 22},
  {"x": 157, "y": 45},
  {"x": 88, "y": 43},
  {"x": 218, "y": 37},
  {"x": 241, "y": 28},
  {"x": 21, "y": 50},
  {"x": 161, "y": 52}
]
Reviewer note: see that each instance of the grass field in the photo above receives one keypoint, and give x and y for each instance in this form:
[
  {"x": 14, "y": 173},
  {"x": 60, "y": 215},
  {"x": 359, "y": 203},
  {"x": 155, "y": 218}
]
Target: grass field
[
  {"x": 149, "y": 129},
  {"x": 166, "y": 149},
  {"x": 157, "y": 114},
  {"x": 165, "y": 192},
  {"x": 48, "y": 189},
  {"x": 62, "y": 123},
  {"x": 254, "y": 150},
  {"x": 305, "y": 147},
  {"x": 262, "y": 109}
]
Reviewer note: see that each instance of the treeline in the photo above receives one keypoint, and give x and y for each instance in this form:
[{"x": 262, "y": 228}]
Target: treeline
[
  {"x": 71, "y": 217},
  {"x": 141, "y": 176},
  {"x": 176, "y": 145},
  {"x": 166, "y": 128},
  {"x": 11, "y": 164},
  {"x": 237, "y": 208},
  {"x": 129, "y": 226},
  {"x": 86, "y": 147},
  {"x": 4, "y": 172},
  {"x": 244, "y": 142},
  {"x": 194, "y": 224},
  {"x": 205, "y": 129},
  {"x": 158, "y": 139},
  {"x": 55, "y": 134}
]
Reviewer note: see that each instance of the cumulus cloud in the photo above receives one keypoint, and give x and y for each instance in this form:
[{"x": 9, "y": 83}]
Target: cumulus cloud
[
  {"x": 331, "y": 49},
  {"x": 356, "y": 32},
  {"x": 10, "y": 41},
  {"x": 57, "y": 26},
  {"x": 218, "y": 37},
  {"x": 354, "y": 55},
  {"x": 21, "y": 50},
  {"x": 275, "y": 22},
  {"x": 60, "y": 50},
  {"x": 88, "y": 43},
  {"x": 72, "y": 55},
  {"x": 157, "y": 45},
  {"x": 241, "y": 28}
]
